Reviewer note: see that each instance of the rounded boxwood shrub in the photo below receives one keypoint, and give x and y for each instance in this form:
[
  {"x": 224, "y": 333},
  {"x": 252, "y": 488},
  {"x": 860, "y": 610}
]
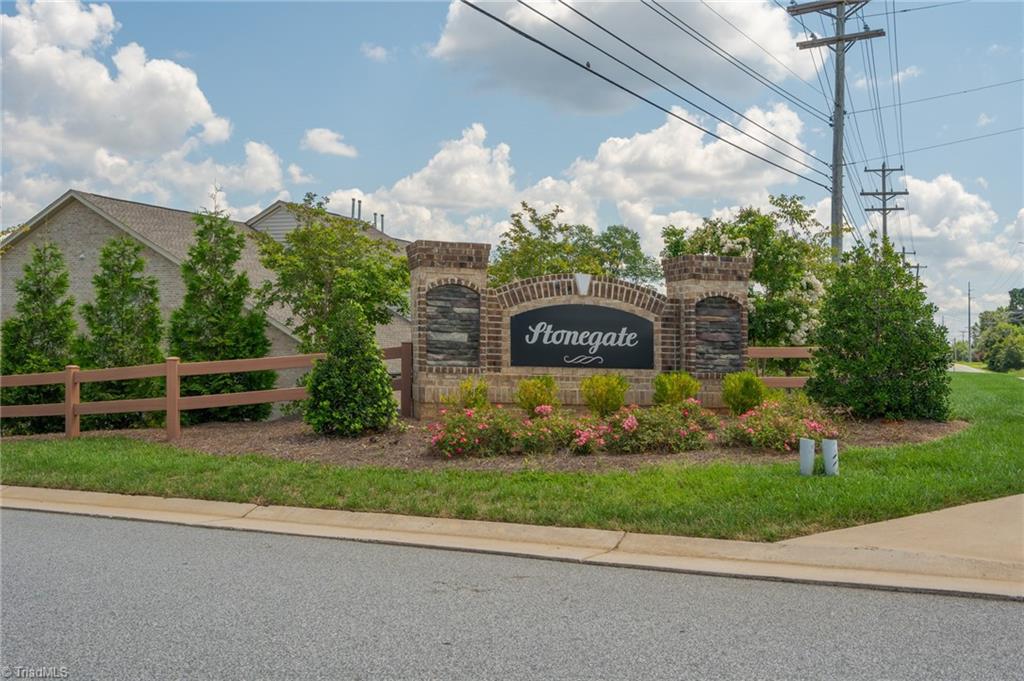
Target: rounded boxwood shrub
[
  {"x": 742, "y": 391},
  {"x": 880, "y": 352},
  {"x": 604, "y": 394},
  {"x": 535, "y": 392},
  {"x": 350, "y": 390},
  {"x": 675, "y": 387}
]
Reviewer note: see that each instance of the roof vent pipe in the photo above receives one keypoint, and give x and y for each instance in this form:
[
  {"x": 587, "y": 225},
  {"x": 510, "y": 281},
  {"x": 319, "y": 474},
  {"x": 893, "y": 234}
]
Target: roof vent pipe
[
  {"x": 353, "y": 206},
  {"x": 382, "y": 223},
  {"x": 359, "y": 215},
  {"x": 375, "y": 221}
]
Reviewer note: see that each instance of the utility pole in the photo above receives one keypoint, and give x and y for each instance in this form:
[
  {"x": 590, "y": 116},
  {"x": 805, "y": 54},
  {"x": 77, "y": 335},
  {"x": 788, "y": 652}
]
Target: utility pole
[
  {"x": 884, "y": 195},
  {"x": 970, "y": 336},
  {"x": 840, "y": 11}
]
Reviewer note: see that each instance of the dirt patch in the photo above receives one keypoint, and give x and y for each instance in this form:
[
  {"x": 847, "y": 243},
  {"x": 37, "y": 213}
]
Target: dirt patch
[{"x": 406, "y": 448}]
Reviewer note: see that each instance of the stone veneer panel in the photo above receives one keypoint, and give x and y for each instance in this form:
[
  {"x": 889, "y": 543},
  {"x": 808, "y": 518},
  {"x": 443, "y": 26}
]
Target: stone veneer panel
[
  {"x": 453, "y": 326},
  {"x": 719, "y": 345}
]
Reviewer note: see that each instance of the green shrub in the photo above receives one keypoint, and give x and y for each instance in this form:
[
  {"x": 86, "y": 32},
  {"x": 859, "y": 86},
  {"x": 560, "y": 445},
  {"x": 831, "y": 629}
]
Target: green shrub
[
  {"x": 604, "y": 394},
  {"x": 124, "y": 329},
  {"x": 350, "y": 390},
  {"x": 879, "y": 351},
  {"x": 214, "y": 324},
  {"x": 742, "y": 391},
  {"x": 471, "y": 393},
  {"x": 37, "y": 338},
  {"x": 1006, "y": 347},
  {"x": 535, "y": 392},
  {"x": 675, "y": 387}
]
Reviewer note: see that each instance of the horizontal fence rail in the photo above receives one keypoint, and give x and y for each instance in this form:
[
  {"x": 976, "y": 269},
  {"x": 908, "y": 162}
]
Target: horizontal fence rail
[
  {"x": 72, "y": 408},
  {"x": 794, "y": 352}
]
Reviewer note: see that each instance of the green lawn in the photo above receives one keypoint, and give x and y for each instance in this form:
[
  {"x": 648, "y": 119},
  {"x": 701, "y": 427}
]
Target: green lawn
[{"x": 740, "y": 501}]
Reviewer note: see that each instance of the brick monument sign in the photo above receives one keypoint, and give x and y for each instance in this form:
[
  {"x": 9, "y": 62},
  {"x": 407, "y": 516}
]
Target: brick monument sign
[{"x": 570, "y": 326}]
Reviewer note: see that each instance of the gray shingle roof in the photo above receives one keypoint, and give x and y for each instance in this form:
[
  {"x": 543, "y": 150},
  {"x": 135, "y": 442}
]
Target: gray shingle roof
[{"x": 173, "y": 231}]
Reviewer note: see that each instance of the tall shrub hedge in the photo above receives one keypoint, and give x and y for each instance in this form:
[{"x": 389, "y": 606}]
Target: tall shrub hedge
[
  {"x": 38, "y": 337},
  {"x": 214, "y": 324}
]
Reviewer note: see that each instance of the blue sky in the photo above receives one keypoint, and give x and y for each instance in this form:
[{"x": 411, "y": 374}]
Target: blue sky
[{"x": 445, "y": 121}]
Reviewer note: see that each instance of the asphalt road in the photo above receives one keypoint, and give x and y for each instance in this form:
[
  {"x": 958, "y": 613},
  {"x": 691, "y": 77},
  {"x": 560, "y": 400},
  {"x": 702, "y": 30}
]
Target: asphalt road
[{"x": 114, "y": 599}]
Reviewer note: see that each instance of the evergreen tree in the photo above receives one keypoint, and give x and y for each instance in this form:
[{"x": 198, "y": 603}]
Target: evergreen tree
[
  {"x": 880, "y": 352},
  {"x": 38, "y": 337},
  {"x": 124, "y": 329},
  {"x": 350, "y": 390},
  {"x": 214, "y": 324}
]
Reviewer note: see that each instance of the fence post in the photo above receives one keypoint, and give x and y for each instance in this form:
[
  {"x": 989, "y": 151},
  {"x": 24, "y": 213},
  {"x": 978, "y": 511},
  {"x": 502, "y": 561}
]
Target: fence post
[
  {"x": 173, "y": 395},
  {"x": 72, "y": 397},
  {"x": 406, "y": 380}
]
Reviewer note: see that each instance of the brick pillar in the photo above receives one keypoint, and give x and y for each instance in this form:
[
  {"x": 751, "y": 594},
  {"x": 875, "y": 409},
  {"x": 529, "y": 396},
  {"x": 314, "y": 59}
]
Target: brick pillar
[
  {"x": 453, "y": 264},
  {"x": 711, "y": 292}
]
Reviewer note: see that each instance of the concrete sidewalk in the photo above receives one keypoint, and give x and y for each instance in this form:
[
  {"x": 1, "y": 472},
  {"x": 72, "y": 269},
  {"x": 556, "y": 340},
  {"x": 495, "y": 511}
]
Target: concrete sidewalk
[{"x": 975, "y": 550}]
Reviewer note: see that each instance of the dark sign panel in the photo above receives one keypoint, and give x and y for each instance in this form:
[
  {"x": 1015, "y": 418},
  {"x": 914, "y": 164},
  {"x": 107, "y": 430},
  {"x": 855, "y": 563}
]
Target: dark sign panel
[{"x": 581, "y": 336}]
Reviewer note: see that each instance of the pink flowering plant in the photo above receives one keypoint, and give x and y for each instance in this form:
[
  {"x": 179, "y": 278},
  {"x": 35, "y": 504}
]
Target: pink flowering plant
[
  {"x": 665, "y": 428},
  {"x": 473, "y": 432},
  {"x": 779, "y": 423}
]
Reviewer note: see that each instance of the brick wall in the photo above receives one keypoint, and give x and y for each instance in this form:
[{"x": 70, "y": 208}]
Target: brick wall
[{"x": 689, "y": 280}]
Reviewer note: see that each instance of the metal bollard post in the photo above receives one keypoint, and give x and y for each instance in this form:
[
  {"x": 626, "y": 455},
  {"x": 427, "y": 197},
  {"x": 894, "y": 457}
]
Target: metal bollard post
[
  {"x": 806, "y": 456},
  {"x": 830, "y": 452}
]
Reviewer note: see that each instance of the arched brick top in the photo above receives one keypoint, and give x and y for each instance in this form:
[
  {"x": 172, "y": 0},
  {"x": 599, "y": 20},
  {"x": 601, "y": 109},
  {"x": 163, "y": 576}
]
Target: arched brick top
[
  {"x": 561, "y": 285},
  {"x": 704, "y": 295},
  {"x": 456, "y": 281}
]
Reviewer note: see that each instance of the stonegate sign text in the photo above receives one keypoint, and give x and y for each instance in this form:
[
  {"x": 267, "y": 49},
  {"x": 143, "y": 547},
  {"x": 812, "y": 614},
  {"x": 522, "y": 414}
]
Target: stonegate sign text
[{"x": 581, "y": 336}]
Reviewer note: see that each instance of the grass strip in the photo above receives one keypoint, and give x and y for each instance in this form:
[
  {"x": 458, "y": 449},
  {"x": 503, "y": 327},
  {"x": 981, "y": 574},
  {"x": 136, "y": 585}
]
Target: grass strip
[{"x": 760, "y": 502}]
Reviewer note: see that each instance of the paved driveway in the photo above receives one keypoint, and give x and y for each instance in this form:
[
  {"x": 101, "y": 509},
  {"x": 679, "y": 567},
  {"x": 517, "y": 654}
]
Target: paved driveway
[{"x": 115, "y": 599}]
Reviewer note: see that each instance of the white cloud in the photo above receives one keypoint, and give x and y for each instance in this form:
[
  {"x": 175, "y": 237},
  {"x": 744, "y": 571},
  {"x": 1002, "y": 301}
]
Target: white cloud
[
  {"x": 297, "y": 176},
  {"x": 465, "y": 174},
  {"x": 677, "y": 160},
  {"x": 500, "y": 58},
  {"x": 52, "y": 74},
  {"x": 326, "y": 141},
  {"x": 375, "y": 53},
  {"x": 982, "y": 182},
  {"x": 997, "y": 49},
  {"x": 984, "y": 119},
  {"x": 136, "y": 129},
  {"x": 909, "y": 72}
]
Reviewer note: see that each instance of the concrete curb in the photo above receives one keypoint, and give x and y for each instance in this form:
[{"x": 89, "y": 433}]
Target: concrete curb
[{"x": 859, "y": 566}]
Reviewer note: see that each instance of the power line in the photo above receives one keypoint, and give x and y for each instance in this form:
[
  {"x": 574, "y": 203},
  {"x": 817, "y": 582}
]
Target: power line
[
  {"x": 763, "y": 48},
  {"x": 899, "y": 109},
  {"x": 945, "y": 94},
  {"x": 944, "y": 144},
  {"x": 669, "y": 16},
  {"x": 918, "y": 9},
  {"x": 625, "y": 89},
  {"x": 676, "y": 94}
]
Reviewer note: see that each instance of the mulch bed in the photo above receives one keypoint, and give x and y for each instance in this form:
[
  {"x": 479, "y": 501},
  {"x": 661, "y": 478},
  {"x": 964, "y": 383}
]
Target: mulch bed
[{"x": 289, "y": 438}]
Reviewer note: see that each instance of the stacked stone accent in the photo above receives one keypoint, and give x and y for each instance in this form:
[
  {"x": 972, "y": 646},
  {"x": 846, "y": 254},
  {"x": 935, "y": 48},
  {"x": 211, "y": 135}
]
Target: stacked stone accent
[
  {"x": 453, "y": 326},
  {"x": 462, "y": 325}
]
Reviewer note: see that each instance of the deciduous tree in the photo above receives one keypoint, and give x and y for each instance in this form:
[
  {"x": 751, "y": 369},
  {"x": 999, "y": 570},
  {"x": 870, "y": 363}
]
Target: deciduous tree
[
  {"x": 538, "y": 243},
  {"x": 324, "y": 264}
]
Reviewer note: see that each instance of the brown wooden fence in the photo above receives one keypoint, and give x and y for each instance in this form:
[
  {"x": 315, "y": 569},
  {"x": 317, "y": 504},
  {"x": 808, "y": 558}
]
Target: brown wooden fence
[
  {"x": 72, "y": 408},
  {"x": 762, "y": 353}
]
